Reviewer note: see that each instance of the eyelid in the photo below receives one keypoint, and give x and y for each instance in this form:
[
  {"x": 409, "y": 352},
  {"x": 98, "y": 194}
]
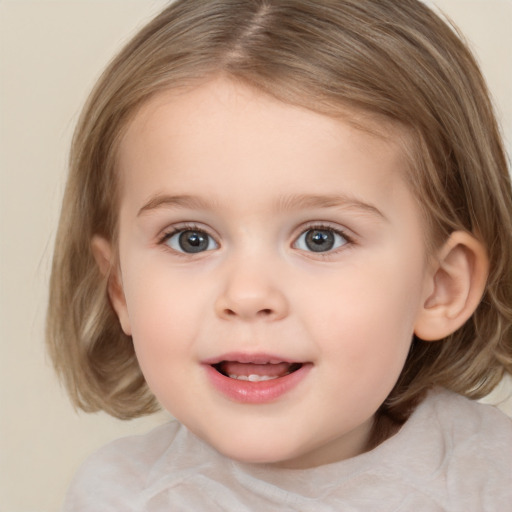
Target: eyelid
[{"x": 328, "y": 226}]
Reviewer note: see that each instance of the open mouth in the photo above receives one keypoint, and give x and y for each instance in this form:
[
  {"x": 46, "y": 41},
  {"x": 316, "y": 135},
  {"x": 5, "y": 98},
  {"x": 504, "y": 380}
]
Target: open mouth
[
  {"x": 256, "y": 372},
  {"x": 255, "y": 378}
]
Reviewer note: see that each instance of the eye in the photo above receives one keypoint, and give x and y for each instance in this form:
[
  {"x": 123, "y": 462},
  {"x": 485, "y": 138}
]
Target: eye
[
  {"x": 320, "y": 240},
  {"x": 190, "y": 241}
]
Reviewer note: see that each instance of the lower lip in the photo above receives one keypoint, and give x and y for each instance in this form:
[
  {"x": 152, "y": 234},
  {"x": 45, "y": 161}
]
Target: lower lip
[{"x": 256, "y": 392}]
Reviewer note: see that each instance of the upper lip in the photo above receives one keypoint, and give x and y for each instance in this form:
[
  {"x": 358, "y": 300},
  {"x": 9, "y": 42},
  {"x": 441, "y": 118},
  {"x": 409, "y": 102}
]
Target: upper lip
[{"x": 256, "y": 358}]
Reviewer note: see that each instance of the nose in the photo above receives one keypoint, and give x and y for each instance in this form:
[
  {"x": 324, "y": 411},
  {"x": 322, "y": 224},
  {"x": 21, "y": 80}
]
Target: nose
[{"x": 250, "y": 293}]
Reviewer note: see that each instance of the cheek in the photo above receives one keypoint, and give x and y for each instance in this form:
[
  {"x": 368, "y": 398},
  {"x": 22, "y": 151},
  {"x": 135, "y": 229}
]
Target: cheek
[
  {"x": 365, "y": 320},
  {"x": 163, "y": 310},
  {"x": 162, "y": 337}
]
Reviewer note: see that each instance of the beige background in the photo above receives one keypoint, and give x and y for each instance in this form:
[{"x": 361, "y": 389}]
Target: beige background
[{"x": 50, "y": 54}]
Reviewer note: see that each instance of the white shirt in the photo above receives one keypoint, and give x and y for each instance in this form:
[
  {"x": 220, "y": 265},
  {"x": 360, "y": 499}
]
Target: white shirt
[{"x": 453, "y": 454}]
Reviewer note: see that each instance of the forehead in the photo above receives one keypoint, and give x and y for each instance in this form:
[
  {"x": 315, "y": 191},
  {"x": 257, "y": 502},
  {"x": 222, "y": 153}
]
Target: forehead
[
  {"x": 196, "y": 112},
  {"x": 225, "y": 92},
  {"x": 192, "y": 139}
]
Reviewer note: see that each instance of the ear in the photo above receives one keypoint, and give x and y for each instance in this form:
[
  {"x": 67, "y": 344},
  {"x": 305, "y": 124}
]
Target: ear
[
  {"x": 455, "y": 288},
  {"x": 104, "y": 256}
]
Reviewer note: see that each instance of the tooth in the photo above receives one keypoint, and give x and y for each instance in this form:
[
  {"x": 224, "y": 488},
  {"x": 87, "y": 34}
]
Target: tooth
[
  {"x": 259, "y": 378},
  {"x": 252, "y": 377}
]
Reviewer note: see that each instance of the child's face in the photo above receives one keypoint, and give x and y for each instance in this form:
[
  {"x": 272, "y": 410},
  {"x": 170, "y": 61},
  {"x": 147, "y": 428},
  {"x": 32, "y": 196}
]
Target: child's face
[{"x": 257, "y": 238}]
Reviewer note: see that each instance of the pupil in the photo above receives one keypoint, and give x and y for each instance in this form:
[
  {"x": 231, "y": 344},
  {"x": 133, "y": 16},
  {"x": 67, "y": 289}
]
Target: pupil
[
  {"x": 319, "y": 241},
  {"x": 193, "y": 241}
]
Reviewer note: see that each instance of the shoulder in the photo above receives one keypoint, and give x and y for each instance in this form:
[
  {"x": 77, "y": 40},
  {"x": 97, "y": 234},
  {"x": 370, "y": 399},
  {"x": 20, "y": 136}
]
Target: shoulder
[
  {"x": 462, "y": 418},
  {"x": 466, "y": 451},
  {"x": 112, "y": 478},
  {"x": 475, "y": 433}
]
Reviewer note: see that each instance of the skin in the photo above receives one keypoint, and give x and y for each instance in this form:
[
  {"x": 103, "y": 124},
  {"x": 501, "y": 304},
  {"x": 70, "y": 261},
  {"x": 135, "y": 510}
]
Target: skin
[{"x": 249, "y": 166}]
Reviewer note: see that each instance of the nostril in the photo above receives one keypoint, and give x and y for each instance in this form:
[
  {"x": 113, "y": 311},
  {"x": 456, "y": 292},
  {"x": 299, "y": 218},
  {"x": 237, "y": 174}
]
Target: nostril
[{"x": 265, "y": 312}]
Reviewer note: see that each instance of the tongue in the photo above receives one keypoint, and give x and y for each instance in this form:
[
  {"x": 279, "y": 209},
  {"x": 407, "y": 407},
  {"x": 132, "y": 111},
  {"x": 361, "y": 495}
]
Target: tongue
[{"x": 263, "y": 370}]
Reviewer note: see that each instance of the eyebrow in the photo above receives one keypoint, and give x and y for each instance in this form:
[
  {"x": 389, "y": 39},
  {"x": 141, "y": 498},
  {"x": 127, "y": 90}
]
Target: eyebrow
[
  {"x": 286, "y": 203},
  {"x": 341, "y": 201},
  {"x": 167, "y": 201}
]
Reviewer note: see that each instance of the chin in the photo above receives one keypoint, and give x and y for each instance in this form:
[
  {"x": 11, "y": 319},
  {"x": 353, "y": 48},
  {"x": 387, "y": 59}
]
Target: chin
[{"x": 274, "y": 454}]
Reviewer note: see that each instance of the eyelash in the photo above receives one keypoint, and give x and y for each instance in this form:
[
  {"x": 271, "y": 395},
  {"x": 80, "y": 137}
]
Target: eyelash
[
  {"x": 167, "y": 235},
  {"x": 174, "y": 230}
]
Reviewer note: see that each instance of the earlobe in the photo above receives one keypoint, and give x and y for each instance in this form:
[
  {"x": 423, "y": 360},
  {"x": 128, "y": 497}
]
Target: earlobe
[
  {"x": 104, "y": 256},
  {"x": 457, "y": 283}
]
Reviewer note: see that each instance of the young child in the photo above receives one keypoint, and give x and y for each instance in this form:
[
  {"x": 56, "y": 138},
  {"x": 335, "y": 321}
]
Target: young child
[{"x": 288, "y": 222}]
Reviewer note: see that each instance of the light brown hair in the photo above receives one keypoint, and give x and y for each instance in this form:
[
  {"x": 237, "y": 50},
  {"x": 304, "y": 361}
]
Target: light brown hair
[{"x": 394, "y": 59}]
